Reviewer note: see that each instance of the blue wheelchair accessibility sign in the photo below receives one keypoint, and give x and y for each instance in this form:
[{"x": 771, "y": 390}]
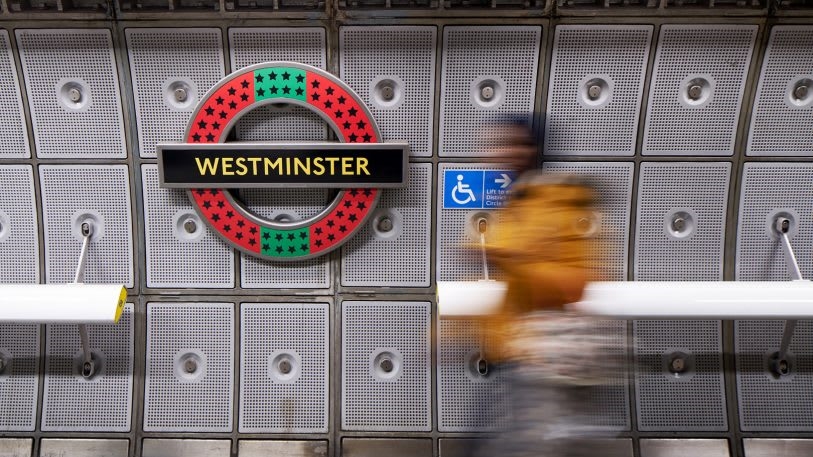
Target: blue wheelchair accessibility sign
[{"x": 480, "y": 189}]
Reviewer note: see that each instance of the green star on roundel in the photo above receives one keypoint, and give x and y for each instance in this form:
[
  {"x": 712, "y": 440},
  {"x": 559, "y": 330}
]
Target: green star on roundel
[
  {"x": 285, "y": 243},
  {"x": 280, "y": 82}
]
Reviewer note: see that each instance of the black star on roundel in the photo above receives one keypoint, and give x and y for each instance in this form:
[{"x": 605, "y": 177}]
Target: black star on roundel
[
  {"x": 340, "y": 213},
  {"x": 315, "y": 97},
  {"x": 291, "y": 249},
  {"x": 331, "y": 237},
  {"x": 348, "y": 203},
  {"x": 232, "y": 91},
  {"x": 241, "y": 224},
  {"x": 232, "y": 105},
  {"x": 315, "y": 84},
  {"x": 273, "y": 90},
  {"x": 328, "y": 104},
  {"x": 259, "y": 78},
  {"x": 286, "y": 90},
  {"x": 223, "y": 115},
  {"x": 216, "y": 125},
  {"x": 330, "y": 223},
  {"x": 303, "y": 247},
  {"x": 318, "y": 243},
  {"x": 367, "y": 192},
  {"x": 352, "y": 218},
  {"x": 215, "y": 217},
  {"x": 219, "y": 100},
  {"x": 227, "y": 228},
  {"x": 201, "y": 125},
  {"x": 367, "y": 137},
  {"x": 266, "y": 235},
  {"x": 342, "y": 228},
  {"x": 354, "y": 192},
  {"x": 346, "y": 125},
  {"x": 244, "y": 96},
  {"x": 361, "y": 205},
  {"x": 291, "y": 236},
  {"x": 210, "y": 137},
  {"x": 272, "y": 75},
  {"x": 200, "y": 192},
  {"x": 286, "y": 76},
  {"x": 299, "y": 91},
  {"x": 279, "y": 249},
  {"x": 329, "y": 91},
  {"x": 353, "y": 138},
  {"x": 278, "y": 237},
  {"x": 352, "y": 112},
  {"x": 244, "y": 84},
  {"x": 300, "y": 78},
  {"x": 239, "y": 235},
  {"x": 318, "y": 230},
  {"x": 361, "y": 125},
  {"x": 220, "y": 204},
  {"x": 230, "y": 214},
  {"x": 261, "y": 92},
  {"x": 341, "y": 99},
  {"x": 207, "y": 204},
  {"x": 252, "y": 230},
  {"x": 209, "y": 111},
  {"x": 196, "y": 138},
  {"x": 266, "y": 247},
  {"x": 252, "y": 241},
  {"x": 303, "y": 235},
  {"x": 338, "y": 114},
  {"x": 213, "y": 191}
]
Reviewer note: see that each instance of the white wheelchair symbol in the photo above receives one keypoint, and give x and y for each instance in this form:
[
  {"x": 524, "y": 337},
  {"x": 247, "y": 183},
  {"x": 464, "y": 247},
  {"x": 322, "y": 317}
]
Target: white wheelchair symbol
[{"x": 463, "y": 189}]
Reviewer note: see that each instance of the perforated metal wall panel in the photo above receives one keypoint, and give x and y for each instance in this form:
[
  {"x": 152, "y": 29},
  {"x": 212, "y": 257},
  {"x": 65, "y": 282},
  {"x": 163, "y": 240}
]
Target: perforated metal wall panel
[
  {"x": 392, "y": 68},
  {"x": 771, "y": 190},
  {"x": 386, "y": 366},
  {"x": 468, "y": 399},
  {"x": 171, "y": 70},
  {"x": 190, "y": 367},
  {"x": 610, "y": 60},
  {"x": 13, "y": 134},
  {"x": 769, "y": 447},
  {"x": 697, "y": 447},
  {"x": 487, "y": 72},
  {"x": 19, "y": 379},
  {"x": 612, "y": 184},
  {"x": 99, "y": 194},
  {"x": 102, "y": 403},
  {"x": 250, "y": 45},
  {"x": 18, "y": 226},
  {"x": 177, "y": 257},
  {"x": 400, "y": 256},
  {"x": 691, "y": 399},
  {"x": 769, "y": 401},
  {"x": 681, "y": 221},
  {"x": 290, "y": 205},
  {"x": 610, "y": 402},
  {"x": 697, "y": 88},
  {"x": 73, "y": 92},
  {"x": 284, "y": 368},
  {"x": 783, "y": 114},
  {"x": 457, "y": 229}
]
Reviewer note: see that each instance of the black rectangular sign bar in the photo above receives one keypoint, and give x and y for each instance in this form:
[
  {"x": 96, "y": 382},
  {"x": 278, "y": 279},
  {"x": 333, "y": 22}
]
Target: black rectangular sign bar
[{"x": 268, "y": 165}]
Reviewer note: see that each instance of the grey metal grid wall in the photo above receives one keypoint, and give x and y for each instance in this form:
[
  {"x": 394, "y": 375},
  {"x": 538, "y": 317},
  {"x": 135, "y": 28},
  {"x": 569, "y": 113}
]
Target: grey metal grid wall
[
  {"x": 767, "y": 401},
  {"x": 284, "y": 368},
  {"x": 612, "y": 186},
  {"x": 681, "y": 221},
  {"x": 189, "y": 380},
  {"x": 19, "y": 379},
  {"x": 764, "y": 197},
  {"x": 610, "y": 60},
  {"x": 18, "y": 226},
  {"x": 102, "y": 403},
  {"x": 392, "y": 68},
  {"x": 782, "y": 112},
  {"x": 73, "y": 92},
  {"x": 285, "y": 205},
  {"x": 13, "y": 135},
  {"x": 251, "y": 45},
  {"x": 697, "y": 89},
  {"x": 171, "y": 70},
  {"x": 181, "y": 251},
  {"x": 378, "y": 257},
  {"x": 478, "y": 61},
  {"x": 696, "y": 395},
  {"x": 386, "y": 373},
  {"x": 468, "y": 399},
  {"x": 99, "y": 194}
]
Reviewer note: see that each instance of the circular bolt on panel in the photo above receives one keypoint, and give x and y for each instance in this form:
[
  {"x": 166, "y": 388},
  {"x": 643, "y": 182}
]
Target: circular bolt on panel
[{"x": 283, "y": 83}]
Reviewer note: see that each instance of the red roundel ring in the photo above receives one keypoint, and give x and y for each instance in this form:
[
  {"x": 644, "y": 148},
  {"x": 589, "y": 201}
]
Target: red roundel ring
[{"x": 283, "y": 82}]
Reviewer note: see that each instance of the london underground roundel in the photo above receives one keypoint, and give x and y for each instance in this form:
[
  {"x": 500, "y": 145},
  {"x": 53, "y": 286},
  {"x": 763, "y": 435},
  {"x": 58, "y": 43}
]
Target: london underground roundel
[{"x": 282, "y": 82}]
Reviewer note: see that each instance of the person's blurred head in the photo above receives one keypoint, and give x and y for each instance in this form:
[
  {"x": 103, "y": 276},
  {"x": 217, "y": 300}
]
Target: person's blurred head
[{"x": 516, "y": 141}]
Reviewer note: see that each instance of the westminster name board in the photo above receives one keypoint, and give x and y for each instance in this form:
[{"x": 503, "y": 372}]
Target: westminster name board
[{"x": 252, "y": 165}]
